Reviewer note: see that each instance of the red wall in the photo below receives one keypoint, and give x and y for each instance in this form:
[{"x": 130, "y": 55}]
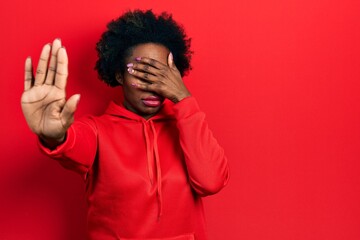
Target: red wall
[{"x": 278, "y": 79}]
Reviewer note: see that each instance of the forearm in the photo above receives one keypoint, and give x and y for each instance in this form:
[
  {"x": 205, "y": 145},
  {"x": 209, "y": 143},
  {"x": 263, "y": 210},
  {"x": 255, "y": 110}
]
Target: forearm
[
  {"x": 205, "y": 159},
  {"x": 78, "y": 149}
]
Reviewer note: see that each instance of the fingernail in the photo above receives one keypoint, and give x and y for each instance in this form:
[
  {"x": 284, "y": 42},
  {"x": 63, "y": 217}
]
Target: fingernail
[
  {"x": 134, "y": 84},
  {"x": 130, "y": 65},
  {"x": 130, "y": 70},
  {"x": 138, "y": 58}
]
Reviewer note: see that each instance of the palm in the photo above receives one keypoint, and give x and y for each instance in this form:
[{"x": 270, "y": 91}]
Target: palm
[
  {"x": 43, "y": 102},
  {"x": 42, "y": 107}
]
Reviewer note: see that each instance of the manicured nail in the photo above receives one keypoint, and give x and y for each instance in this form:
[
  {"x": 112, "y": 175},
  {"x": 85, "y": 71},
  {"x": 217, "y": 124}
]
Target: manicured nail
[
  {"x": 130, "y": 70},
  {"x": 130, "y": 65},
  {"x": 138, "y": 58}
]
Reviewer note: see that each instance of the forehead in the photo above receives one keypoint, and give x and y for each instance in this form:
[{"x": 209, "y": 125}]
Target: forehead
[{"x": 150, "y": 50}]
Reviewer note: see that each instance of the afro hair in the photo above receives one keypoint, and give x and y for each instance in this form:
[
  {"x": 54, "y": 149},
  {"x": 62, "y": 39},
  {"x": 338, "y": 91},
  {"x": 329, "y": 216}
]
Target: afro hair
[{"x": 139, "y": 27}]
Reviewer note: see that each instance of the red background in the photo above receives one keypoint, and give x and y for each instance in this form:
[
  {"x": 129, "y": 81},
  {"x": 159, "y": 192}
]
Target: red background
[{"x": 278, "y": 80}]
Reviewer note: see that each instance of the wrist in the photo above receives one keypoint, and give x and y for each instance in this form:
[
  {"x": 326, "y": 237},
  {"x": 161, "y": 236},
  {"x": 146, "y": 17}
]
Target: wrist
[
  {"x": 181, "y": 97},
  {"x": 51, "y": 143}
]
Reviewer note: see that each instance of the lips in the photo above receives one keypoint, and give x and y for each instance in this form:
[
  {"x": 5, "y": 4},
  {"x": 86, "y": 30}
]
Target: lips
[{"x": 152, "y": 101}]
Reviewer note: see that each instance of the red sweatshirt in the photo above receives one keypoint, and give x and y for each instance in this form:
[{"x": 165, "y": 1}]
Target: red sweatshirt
[{"x": 145, "y": 178}]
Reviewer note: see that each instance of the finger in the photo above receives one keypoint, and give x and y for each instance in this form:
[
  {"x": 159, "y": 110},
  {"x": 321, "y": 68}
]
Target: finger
[
  {"x": 42, "y": 65},
  {"x": 29, "y": 75},
  {"x": 145, "y": 87},
  {"x": 52, "y": 65},
  {"x": 142, "y": 75},
  {"x": 144, "y": 68},
  {"x": 148, "y": 87},
  {"x": 150, "y": 61},
  {"x": 171, "y": 61},
  {"x": 61, "y": 69},
  {"x": 67, "y": 114}
]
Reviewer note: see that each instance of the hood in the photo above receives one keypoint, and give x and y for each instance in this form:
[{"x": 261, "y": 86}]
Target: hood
[{"x": 118, "y": 109}]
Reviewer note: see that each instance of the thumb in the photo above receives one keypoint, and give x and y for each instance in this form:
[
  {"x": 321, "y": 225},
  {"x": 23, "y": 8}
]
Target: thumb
[
  {"x": 67, "y": 114},
  {"x": 171, "y": 61}
]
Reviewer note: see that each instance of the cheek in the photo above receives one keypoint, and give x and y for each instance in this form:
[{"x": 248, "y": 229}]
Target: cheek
[{"x": 130, "y": 91}]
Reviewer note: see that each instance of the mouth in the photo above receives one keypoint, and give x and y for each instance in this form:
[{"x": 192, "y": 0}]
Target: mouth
[{"x": 152, "y": 101}]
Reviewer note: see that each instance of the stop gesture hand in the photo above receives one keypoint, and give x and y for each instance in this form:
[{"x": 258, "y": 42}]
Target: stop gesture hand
[{"x": 43, "y": 101}]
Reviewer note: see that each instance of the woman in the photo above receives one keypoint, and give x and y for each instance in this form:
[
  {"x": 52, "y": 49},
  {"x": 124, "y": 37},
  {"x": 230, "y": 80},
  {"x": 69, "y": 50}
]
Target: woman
[{"x": 146, "y": 161}]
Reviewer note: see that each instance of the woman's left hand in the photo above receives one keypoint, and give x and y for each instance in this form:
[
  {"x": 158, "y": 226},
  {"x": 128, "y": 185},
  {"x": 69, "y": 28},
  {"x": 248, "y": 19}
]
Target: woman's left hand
[{"x": 164, "y": 80}]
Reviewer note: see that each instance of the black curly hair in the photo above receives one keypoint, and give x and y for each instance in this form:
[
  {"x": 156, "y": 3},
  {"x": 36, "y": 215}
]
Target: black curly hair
[{"x": 138, "y": 27}]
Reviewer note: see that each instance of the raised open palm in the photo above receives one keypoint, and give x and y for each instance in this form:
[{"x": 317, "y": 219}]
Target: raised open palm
[{"x": 43, "y": 101}]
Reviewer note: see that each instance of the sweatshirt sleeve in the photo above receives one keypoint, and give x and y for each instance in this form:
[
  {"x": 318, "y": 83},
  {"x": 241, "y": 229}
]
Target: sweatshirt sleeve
[
  {"x": 78, "y": 151},
  {"x": 205, "y": 159}
]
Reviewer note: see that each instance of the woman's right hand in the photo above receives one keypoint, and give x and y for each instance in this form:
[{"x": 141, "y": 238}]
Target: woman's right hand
[{"x": 43, "y": 101}]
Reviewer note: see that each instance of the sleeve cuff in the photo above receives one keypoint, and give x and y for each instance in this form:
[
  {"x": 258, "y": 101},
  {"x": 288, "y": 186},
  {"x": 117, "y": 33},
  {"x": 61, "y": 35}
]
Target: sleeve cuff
[{"x": 68, "y": 144}]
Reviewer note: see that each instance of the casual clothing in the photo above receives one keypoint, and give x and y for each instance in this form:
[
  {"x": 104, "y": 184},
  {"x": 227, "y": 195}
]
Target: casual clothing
[{"x": 145, "y": 178}]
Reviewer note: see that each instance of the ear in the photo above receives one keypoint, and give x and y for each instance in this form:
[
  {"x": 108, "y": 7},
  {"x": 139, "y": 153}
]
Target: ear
[{"x": 119, "y": 78}]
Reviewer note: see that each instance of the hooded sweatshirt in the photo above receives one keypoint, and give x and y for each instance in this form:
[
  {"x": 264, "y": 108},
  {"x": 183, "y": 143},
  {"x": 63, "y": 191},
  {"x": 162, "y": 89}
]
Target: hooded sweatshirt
[{"x": 145, "y": 178}]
